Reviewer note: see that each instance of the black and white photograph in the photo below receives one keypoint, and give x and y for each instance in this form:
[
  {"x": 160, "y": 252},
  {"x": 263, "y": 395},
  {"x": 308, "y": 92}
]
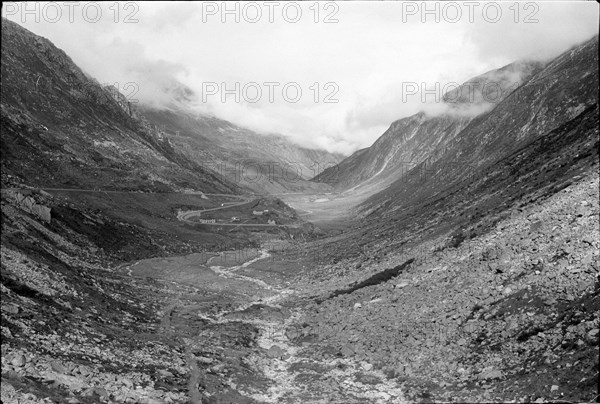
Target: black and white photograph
[{"x": 300, "y": 202}]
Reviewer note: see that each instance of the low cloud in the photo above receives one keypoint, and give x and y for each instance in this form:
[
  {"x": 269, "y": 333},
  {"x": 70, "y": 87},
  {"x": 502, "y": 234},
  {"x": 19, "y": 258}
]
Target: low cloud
[
  {"x": 370, "y": 53},
  {"x": 482, "y": 93},
  {"x": 151, "y": 82}
]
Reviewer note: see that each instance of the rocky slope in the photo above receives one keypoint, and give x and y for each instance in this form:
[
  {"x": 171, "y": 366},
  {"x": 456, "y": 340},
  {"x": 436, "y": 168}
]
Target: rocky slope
[
  {"x": 70, "y": 325},
  {"x": 61, "y": 128},
  {"x": 508, "y": 315},
  {"x": 486, "y": 291}
]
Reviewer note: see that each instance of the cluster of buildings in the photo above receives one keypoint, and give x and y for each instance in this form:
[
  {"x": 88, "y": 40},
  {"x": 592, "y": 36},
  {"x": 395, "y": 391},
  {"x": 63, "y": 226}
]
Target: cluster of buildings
[{"x": 236, "y": 219}]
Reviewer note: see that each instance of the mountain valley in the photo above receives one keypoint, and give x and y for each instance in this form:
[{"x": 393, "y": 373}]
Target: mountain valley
[{"x": 158, "y": 255}]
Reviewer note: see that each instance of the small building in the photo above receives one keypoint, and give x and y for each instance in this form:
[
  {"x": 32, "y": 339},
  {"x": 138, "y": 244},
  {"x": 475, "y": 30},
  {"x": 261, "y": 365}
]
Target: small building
[{"x": 270, "y": 221}]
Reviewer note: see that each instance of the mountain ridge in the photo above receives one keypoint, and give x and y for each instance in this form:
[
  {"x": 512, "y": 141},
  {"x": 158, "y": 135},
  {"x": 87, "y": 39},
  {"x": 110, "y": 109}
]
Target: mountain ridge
[
  {"x": 410, "y": 140},
  {"x": 56, "y": 118},
  {"x": 522, "y": 117},
  {"x": 264, "y": 163}
]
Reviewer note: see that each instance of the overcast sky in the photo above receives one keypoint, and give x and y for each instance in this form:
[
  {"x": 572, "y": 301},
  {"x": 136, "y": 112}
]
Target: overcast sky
[{"x": 370, "y": 54}]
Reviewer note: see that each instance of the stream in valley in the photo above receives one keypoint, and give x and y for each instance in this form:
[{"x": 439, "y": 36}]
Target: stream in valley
[{"x": 236, "y": 322}]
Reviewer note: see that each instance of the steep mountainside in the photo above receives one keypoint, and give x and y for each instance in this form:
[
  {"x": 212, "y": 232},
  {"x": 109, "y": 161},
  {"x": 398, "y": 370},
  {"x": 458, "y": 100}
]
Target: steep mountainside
[
  {"x": 407, "y": 142},
  {"x": 412, "y": 140},
  {"x": 262, "y": 163},
  {"x": 562, "y": 91},
  {"x": 60, "y": 128}
]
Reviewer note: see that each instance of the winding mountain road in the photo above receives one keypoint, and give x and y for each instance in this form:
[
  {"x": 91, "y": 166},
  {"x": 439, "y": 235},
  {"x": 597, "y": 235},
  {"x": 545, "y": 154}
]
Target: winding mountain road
[{"x": 184, "y": 216}]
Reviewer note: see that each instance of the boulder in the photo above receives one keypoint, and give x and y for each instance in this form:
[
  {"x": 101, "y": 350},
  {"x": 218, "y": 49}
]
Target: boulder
[
  {"x": 490, "y": 374},
  {"x": 58, "y": 367},
  {"x": 165, "y": 374},
  {"x": 41, "y": 211},
  {"x": 28, "y": 204},
  {"x": 592, "y": 336},
  {"x": 101, "y": 392},
  {"x": 275, "y": 352},
  {"x": 10, "y": 308},
  {"x": 18, "y": 360},
  {"x": 204, "y": 360},
  {"x": 347, "y": 351}
]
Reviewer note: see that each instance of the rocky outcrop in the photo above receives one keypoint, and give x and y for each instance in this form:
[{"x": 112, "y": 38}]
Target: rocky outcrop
[
  {"x": 28, "y": 204},
  {"x": 127, "y": 106}
]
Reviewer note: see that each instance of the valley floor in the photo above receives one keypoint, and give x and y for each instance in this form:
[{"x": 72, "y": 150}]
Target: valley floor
[{"x": 510, "y": 315}]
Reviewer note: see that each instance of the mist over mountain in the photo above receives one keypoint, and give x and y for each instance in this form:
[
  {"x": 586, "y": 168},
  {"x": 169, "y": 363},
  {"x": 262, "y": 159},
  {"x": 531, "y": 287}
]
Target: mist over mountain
[
  {"x": 369, "y": 53},
  {"x": 263, "y": 163},
  {"x": 62, "y": 128},
  {"x": 494, "y": 107}
]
